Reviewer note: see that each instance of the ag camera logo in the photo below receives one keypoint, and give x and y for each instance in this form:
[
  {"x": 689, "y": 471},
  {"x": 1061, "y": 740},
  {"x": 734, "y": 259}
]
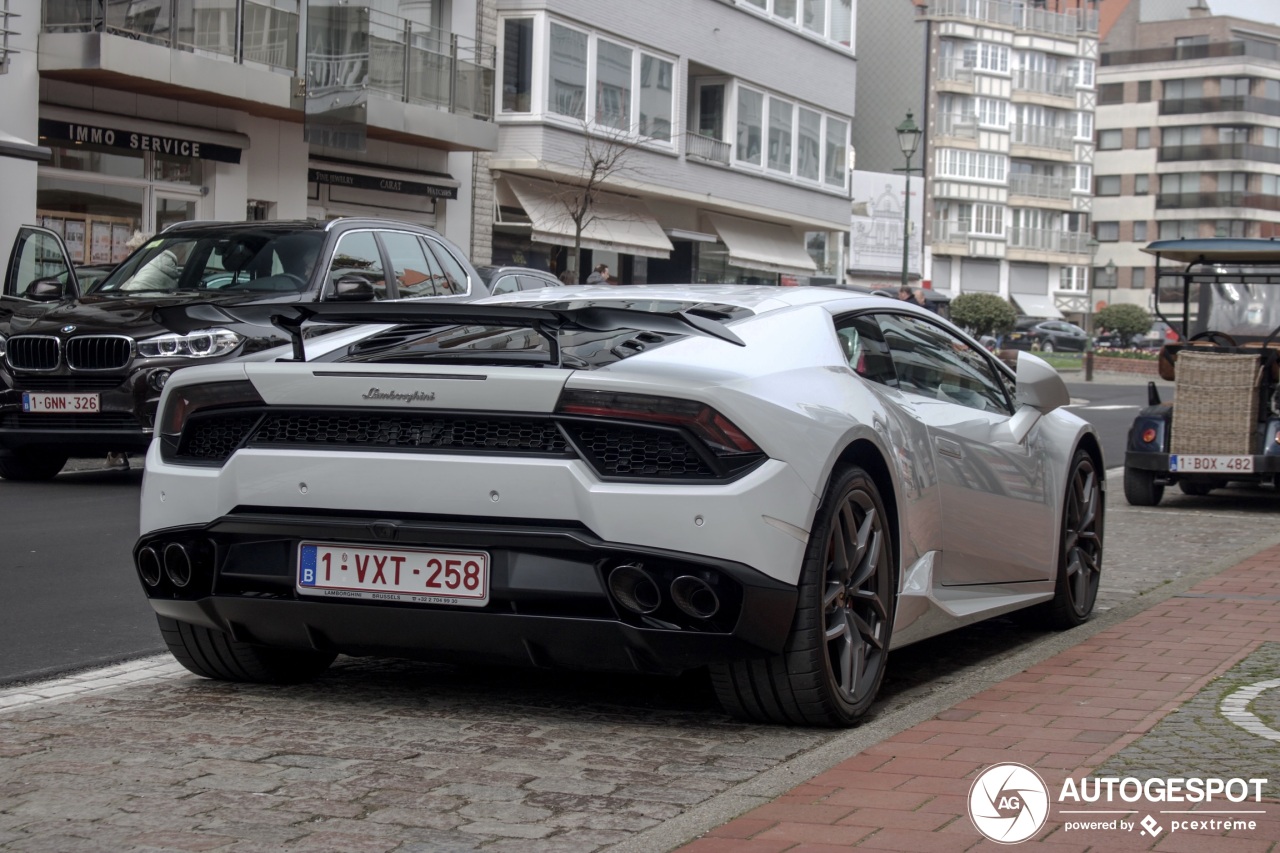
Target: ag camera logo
[{"x": 1008, "y": 803}]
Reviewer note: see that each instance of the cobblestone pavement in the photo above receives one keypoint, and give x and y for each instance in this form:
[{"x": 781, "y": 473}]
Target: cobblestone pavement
[{"x": 399, "y": 756}]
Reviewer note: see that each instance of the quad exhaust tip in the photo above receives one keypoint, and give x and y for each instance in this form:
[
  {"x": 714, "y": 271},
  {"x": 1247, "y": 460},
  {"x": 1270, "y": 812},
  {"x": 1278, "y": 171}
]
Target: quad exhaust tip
[
  {"x": 633, "y": 588},
  {"x": 149, "y": 566},
  {"x": 177, "y": 564},
  {"x": 694, "y": 597}
]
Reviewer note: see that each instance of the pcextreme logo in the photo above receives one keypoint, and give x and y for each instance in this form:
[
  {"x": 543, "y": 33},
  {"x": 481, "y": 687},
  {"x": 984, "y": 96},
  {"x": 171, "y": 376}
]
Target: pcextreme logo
[{"x": 1009, "y": 803}]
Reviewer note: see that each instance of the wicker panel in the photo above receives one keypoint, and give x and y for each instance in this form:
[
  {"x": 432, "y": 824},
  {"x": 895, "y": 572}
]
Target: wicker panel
[{"x": 1215, "y": 410}]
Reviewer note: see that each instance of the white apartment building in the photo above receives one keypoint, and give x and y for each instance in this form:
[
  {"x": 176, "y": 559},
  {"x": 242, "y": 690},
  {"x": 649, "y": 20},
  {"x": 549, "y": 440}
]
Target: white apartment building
[{"x": 734, "y": 117}]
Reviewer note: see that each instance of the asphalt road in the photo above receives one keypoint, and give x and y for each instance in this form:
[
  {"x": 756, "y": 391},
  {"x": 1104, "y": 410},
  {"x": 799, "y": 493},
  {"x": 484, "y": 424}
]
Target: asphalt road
[{"x": 71, "y": 599}]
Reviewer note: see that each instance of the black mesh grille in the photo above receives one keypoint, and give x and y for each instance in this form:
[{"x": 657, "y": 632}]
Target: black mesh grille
[
  {"x": 616, "y": 450},
  {"x": 98, "y": 352},
  {"x": 216, "y": 437},
  {"x": 422, "y": 431},
  {"x": 67, "y": 383},
  {"x": 28, "y": 352},
  {"x": 100, "y": 421}
]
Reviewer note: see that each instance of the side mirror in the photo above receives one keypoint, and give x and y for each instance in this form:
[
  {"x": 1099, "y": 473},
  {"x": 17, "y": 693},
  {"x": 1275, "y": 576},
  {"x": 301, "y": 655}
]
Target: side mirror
[
  {"x": 352, "y": 289},
  {"x": 1039, "y": 384},
  {"x": 46, "y": 290}
]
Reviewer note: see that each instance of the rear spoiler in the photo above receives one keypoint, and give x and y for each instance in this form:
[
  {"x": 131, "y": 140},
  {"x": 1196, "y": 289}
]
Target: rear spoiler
[{"x": 547, "y": 322}]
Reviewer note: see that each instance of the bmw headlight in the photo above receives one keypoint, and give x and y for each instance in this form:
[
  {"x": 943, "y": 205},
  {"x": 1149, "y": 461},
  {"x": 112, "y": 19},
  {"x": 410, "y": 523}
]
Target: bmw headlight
[{"x": 205, "y": 343}]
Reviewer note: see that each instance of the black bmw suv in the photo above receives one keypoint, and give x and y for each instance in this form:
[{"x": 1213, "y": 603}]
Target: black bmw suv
[{"x": 81, "y": 372}]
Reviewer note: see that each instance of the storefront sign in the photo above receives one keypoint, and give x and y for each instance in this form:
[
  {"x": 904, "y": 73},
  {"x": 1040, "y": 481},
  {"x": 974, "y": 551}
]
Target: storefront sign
[
  {"x": 386, "y": 185},
  {"x": 110, "y": 137}
]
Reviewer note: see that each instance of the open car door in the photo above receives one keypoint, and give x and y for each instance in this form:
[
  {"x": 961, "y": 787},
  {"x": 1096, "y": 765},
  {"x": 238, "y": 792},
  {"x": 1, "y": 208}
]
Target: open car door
[{"x": 39, "y": 268}]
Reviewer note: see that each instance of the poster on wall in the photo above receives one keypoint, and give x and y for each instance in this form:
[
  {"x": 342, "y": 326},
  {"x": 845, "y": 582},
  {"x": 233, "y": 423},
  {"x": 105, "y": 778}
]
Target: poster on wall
[
  {"x": 119, "y": 239},
  {"x": 100, "y": 243},
  {"x": 53, "y": 223},
  {"x": 74, "y": 238}
]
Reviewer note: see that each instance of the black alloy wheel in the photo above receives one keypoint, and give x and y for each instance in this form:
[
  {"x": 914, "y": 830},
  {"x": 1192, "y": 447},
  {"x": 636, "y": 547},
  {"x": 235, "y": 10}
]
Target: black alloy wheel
[
  {"x": 834, "y": 660},
  {"x": 1080, "y": 555}
]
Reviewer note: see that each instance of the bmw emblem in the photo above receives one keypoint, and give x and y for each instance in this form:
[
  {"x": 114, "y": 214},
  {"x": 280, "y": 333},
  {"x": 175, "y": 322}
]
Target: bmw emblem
[{"x": 66, "y": 330}]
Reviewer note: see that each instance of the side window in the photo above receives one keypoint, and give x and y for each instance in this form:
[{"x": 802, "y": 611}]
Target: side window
[
  {"x": 357, "y": 256},
  {"x": 932, "y": 362},
  {"x": 38, "y": 255},
  {"x": 533, "y": 282},
  {"x": 415, "y": 274},
  {"x": 505, "y": 284},
  {"x": 455, "y": 274},
  {"x": 865, "y": 349}
]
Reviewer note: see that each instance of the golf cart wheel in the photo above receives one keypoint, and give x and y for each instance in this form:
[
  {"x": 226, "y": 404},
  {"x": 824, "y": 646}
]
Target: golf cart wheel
[{"x": 1141, "y": 488}]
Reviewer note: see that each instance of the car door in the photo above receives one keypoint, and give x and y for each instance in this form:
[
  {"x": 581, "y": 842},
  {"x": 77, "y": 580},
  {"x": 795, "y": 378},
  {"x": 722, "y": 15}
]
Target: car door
[
  {"x": 39, "y": 268},
  {"x": 998, "y": 521}
]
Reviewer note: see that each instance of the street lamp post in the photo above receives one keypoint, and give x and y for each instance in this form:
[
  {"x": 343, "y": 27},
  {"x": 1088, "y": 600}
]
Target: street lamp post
[
  {"x": 1088, "y": 310},
  {"x": 908, "y": 139}
]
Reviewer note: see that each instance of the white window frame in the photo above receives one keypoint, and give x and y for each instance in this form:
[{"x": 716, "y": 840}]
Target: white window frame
[
  {"x": 768, "y": 9},
  {"x": 972, "y": 165}
]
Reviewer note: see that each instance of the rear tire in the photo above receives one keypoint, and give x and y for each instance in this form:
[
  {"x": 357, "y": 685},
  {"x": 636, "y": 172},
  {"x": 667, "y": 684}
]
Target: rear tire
[
  {"x": 32, "y": 465},
  {"x": 212, "y": 654},
  {"x": 1047, "y": 346},
  {"x": 1141, "y": 488},
  {"x": 1080, "y": 553},
  {"x": 834, "y": 659}
]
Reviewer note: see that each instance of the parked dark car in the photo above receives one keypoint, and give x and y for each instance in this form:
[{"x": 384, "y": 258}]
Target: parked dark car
[
  {"x": 1036, "y": 333},
  {"x": 512, "y": 279},
  {"x": 81, "y": 371}
]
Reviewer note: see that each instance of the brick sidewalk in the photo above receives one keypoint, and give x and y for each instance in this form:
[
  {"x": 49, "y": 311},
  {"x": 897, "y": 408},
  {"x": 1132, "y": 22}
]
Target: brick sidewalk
[{"x": 1079, "y": 712}]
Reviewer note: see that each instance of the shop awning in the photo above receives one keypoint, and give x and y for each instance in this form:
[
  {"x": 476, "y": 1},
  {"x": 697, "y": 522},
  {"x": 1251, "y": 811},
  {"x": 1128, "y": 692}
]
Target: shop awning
[
  {"x": 617, "y": 224},
  {"x": 13, "y": 146},
  {"x": 762, "y": 245},
  {"x": 1036, "y": 305}
]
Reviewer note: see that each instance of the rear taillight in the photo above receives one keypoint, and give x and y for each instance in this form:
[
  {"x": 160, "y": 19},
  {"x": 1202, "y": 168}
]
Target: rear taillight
[
  {"x": 700, "y": 419},
  {"x": 185, "y": 401}
]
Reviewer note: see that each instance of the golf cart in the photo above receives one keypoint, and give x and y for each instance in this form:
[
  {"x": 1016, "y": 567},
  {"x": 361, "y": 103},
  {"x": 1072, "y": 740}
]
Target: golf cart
[{"x": 1223, "y": 424}]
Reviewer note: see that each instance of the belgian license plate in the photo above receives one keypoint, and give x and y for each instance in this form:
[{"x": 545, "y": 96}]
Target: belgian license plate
[
  {"x": 1186, "y": 463},
  {"x": 411, "y": 575},
  {"x": 71, "y": 404}
]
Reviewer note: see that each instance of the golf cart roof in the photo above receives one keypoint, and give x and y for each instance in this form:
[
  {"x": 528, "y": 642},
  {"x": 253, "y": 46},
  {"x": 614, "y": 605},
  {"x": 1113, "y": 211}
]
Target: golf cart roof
[{"x": 1217, "y": 250}]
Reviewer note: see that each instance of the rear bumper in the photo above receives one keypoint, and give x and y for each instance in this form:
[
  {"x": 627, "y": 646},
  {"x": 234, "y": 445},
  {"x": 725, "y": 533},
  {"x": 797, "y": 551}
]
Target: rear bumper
[{"x": 549, "y": 605}]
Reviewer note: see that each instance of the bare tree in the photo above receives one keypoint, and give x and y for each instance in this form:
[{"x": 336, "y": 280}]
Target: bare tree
[{"x": 606, "y": 156}]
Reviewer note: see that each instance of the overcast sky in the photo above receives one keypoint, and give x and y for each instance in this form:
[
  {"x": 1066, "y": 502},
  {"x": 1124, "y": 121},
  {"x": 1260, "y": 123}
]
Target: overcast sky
[{"x": 1253, "y": 10}]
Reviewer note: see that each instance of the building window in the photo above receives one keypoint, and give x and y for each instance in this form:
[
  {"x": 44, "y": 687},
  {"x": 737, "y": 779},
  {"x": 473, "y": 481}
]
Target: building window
[
  {"x": 1111, "y": 93},
  {"x": 1110, "y": 140},
  {"x": 780, "y": 135},
  {"x": 1102, "y": 280},
  {"x": 1084, "y": 177},
  {"x": 1084, "y": 73},
  {"x": 1144, "y": 91},
  {"x": 1084, "y": 125},
  {"x": 984, "y": 218},
  {"x": 837, "y": 146},
  {"x": 1179, "y": 136},
  {"x": 1142, "y": 138},
  {"x": 1179, "y": 229},
  {"x": 975, "y": 165},
  {"x": 1177, "y": 90},
  {"x": 1107, "y": 232},
  {"x": 1270, "y": 184},
  {"x": 750, "y": 126},
  {"x": 1108, "y": 185},
  {"x": 1180, "y": 183},
  {"x": 517, "y": 65},
  {"x": 1234, "y": 86},
  {"x": 992, "y": 112},
  {"x": 656, "y": 84},
  {"x": 809, "y": 145},
  {"x": 613, "y": 85},
  {"x": 1141, "y": 184},
  {"x": 568, "y": 72},
  {"x": 1071, "y": 278},
  {"x": 1140, "y": 232},
  {"x": 1231, "y": 228},
  {"x": 1138, "y": 278},
  {"x": 830, "y": 19}
]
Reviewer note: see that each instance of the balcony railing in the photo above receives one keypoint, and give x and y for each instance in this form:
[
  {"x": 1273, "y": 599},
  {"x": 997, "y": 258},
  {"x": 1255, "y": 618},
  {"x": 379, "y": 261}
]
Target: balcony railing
[
  {"x": 1040, "y": 186},
  {"x": 1045, "y": 83},
  {"x": 950, "y": 231},
  {"x": 1040, "y": 136},
  {"x": 706, "y": 148},
  {"x": 1223, "y": 151},
  {"x": 960, "y": 125},
  {"x": 1049, "y": 240},
  {"x": 366, "y": 50},
  {"x": 239, "y": 30},
  {"x": 1212, "y": 50},
  {"x": 954, "y": 70},
  {"x": 1183, "y": 201},
  {"x": 1223, "y": 104},
  {"x": 1022, "y": 16}
]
